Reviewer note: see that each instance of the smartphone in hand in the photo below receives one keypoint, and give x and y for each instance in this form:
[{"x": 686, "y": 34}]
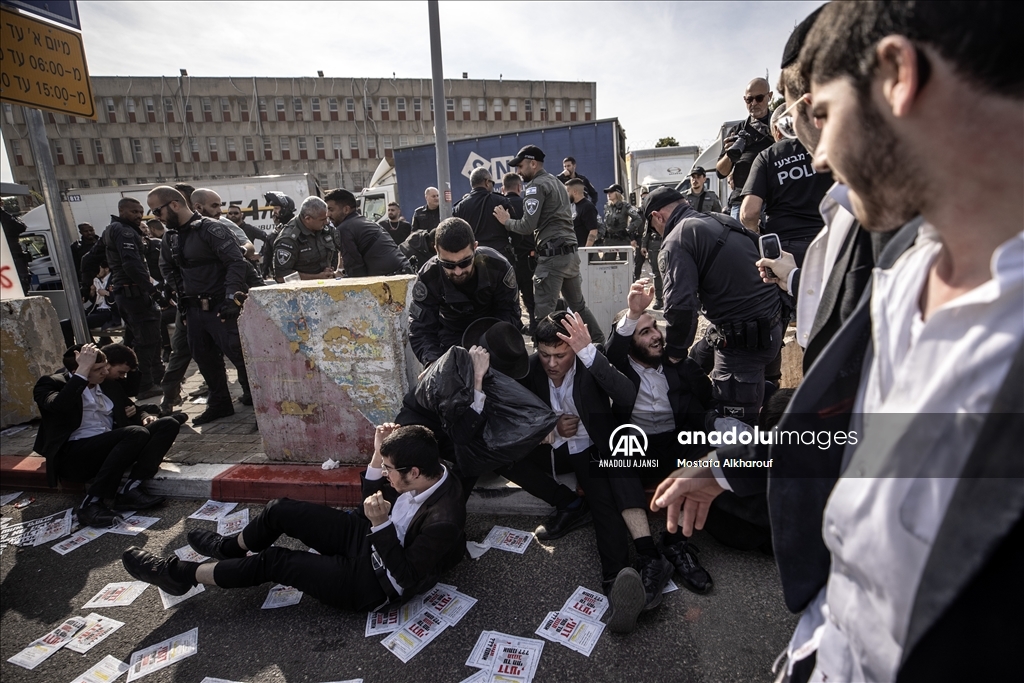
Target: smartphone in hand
[{"x": 771, "y": 247}]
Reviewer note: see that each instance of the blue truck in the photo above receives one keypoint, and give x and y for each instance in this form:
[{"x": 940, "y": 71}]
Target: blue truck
[{"x": 598, "y": 146}]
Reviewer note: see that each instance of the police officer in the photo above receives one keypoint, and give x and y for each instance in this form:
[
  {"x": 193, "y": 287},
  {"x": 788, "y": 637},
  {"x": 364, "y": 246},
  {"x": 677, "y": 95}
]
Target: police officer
[
  {"x": 282, "y": 211},
  {"x": 134, "y": 292},
  {"x": 477, "y": 209},
  {"x": 706, "y": 261},
  {"x": 428, "y": 216},
  {"x": 462, "y": 283},
  {"x": 622, "y": 222},
  {"x": 523, "y": 247},
  {"x": 307, "y": 245},
  {"x": 202, "y": 261},
  {"x": 547, "y": 215},
  {"x": 698, "y": 195},
  {"x": 367, "y": 249}
]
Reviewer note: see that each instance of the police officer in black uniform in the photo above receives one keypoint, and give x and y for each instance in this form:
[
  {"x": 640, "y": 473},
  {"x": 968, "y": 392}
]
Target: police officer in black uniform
[
  {"x": 135, "y": 294},
  {"x": 462, "y": 283},
  {"x": 707, "y": 263},
  {"x": 367, "y": 249},
  {"x": 308, "y": 245},
  {"x": 524, "y": 249},
  {"x": 200, "y": 257},
  {"x": 477, "y": 209},
  {"x": 282, "y": 210}
]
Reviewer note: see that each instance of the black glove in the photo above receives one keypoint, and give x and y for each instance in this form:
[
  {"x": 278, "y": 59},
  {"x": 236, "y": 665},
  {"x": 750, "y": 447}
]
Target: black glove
[
  {"x": 229, "y": 310},
  {"x": 161, "y": 299}
]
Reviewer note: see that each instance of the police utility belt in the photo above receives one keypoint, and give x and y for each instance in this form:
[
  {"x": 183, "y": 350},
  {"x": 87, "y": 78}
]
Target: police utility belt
[
  {"x": 204, "y": 302},
  {"x": 129, "y": 291},
  {"x": 556, "y": 251},
  {"x": 753, "y": 335}
]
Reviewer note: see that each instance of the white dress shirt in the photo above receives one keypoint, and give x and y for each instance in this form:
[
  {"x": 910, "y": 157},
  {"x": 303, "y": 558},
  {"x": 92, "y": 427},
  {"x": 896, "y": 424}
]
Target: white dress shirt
[
  {"x": 563, "y": 404},
  {"x": 652, "y": 411},
  {"x": 97, "y": 413},
  {"x": 880, "y": 529},
  {"x": 405, "y": 508}
]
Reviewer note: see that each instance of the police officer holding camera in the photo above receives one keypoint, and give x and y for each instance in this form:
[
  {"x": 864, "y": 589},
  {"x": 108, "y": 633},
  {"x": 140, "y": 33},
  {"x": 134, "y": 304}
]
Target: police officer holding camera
[{"x": 744, "y": 142}]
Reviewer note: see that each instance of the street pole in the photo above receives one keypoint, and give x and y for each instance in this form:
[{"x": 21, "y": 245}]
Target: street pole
[
  {"x": 440, "y": 114},
  {"x": 59, "y": 229}
]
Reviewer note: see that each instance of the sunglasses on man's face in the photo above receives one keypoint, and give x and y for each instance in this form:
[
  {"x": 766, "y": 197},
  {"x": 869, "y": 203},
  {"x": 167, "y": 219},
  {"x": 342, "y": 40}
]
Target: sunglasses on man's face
[
  {"x": 754, "y": 98},
  {"x": 452, "y": 265}
]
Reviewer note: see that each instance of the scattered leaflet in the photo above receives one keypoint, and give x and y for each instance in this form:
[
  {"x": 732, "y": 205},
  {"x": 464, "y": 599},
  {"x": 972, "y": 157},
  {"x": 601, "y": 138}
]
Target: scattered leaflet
[
  {"x": 282, "y": 596},
  {"x": 187, "y": 554},
  {"x": 486, "y": 648},
  {"x": 7, "y": 498},
  {"x": 96, "y": 630},
  {"x": 37, "y": 531},
  {"x": 448, "y": 603},
  {"x": 591, "y": 604},
  {"x": 108, "y": 669},
  {"x": 392, "y": 619},
  {"x": 482, "y": 676},
  {"x": 162, "y": 655},
  {"x": 170, "y": 601},
  {"x": 415, "y": 635},
  {"x": 212, "y": 511},
  {"x": 234, "y": 523},
  {"x": 41, "y": 648},
  {"x": 77, "y": 540},
  {"x": 117, "y": 594},
  {"x": 515, "y": 663},
  {"x": 132, "y": 525},
  {"x": 571, "y": 630},
  {"x": 512, "y": 540},
  {"x": 669, "y": 587}
]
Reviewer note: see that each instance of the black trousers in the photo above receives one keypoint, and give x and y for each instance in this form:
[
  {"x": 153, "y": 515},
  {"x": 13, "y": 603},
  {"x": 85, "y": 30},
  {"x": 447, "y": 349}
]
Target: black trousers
[
  {"x": 181, "y": 355},
  {"x": 524, "y": 265},
  {"x": 341, "y": 575},
  {"x": 105, "y": 457},
  {"x": 142, "y": 317},
  {"x": 210, "y": 339}
]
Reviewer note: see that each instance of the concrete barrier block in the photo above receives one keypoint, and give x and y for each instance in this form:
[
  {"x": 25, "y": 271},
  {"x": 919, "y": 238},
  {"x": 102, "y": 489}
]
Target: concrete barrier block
[
  {"x": 326, "y": 362},
  {"x": 31, "y": 345},
  {"x": 792, "y": 361}
]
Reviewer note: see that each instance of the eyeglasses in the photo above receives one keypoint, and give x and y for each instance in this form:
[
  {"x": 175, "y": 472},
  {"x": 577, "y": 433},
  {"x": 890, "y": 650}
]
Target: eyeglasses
[
  {"x": 384, "y": 469},
  {"x": 157, "y": 210},
  {"x": 754, "y": 98},
  {"x": 464, "y": 263},
  {"x": 785, "y": 122}
]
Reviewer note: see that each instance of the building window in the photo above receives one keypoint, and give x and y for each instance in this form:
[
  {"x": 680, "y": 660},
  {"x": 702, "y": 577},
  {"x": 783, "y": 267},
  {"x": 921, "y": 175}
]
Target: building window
[
  {"x": 129, "y": 104},
  {"x": 353, "y": 146},
  {"x": 137, "y": 152},
  {"x": 211, "y": 144},
  {"x": 279, "y": 105},
  {"x": 250, "y": 149},
  {"x": 207, "y": 110},
  {"x": 102, "y": 182},
  {"x": 332, "y": 107},
  {"x": 417, "y": 108},
  {"x": 150, "y": 110},
  {"x": 194, "y": 145},
  {"x": 371, "y": 147},
  {"x": 286, "y": 152},
  {"x": 79, "y": 152},
  {"x": 384, "y": 105},
  {"x": 513, "y": 110},
  {"x": 498, "y": 106},
  {"x": 367, "y": 108},
  {"x": 97, "y": 151},
  {"x": 403, "y": 140},
  {"x": 58, "y": 149},
  {"x": 8, "y": 113},
  {"x": 111, "y": 111},
  {"x": 263, "y": 109},
  {"x": 387, "y": 142},
  {"x": 400, "y": 106},
  {"x": 572, "y": 110},
  {"x": 188, "y": 111},
  {"x": 336, "y": 146},
  {"x": 229, "y": 144},
  {"x": 321, "y": 151},
  {"x": 303, "y": 149},
  {"x": 314, "y": 105},
  {"x": 268, "y": 149},
  {"x": 542, "y": 106},
  {"x": 225, "y": 109},
  {"x": 588, "y": 107},
  {"x": 158, "y": 156},
  {"x": 176, "y": 150},
  {"x": 243, "y": 109},
  {"x": 350, "y": 104},
  {"x": 83, "y": 183},
  {"x": 297, "y": 106},
  {"x": 558, "y": 109}
]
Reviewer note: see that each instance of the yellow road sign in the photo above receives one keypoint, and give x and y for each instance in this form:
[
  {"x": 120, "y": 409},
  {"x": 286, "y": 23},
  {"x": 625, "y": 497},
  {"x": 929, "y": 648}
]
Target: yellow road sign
[{"x": 43, "y": 66}]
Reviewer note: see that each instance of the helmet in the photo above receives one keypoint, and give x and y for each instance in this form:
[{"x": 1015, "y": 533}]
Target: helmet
[{"x": 287, "y": 206}]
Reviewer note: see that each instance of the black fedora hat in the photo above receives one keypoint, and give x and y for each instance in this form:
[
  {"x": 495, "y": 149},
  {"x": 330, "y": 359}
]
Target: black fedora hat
[{"x": 503, "y": 341}]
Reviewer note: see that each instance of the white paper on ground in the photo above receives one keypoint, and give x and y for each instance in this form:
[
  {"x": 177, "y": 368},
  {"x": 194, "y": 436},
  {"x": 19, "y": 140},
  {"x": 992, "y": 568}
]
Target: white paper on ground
[
  {"x": 200, "y": 400},
  {"x": 282, "y": 596},
  {"x": 213, "y": 510},
  {"x": 515, "y": 663},
  {"x": 41, "y": 648},
  {"x": 669, "y": 587},
  {"x": 96, "y": 630},
  {"x": 233, "y": 523},
  {"x": 163, "y": 654},
  {"x": 512, "y": 540},
  {"x": 133, "y": 525},
  {"x": 447, "y": 603},
  {"x": 187, "y": 554},
  {"x": 487, "y": 646},
  {"x": 37, "y": 531},
  {"x": 9, "y": 497},
  {"x": 482, "y": 676},
  {"x": 415, "y": 635},
  {"x": 170, "y": 601},
  {"x": 476, "y": 550},
  {"x": 390, "y": 620},
  {"x": 77, "y": 540},
  {"x": 106, "y": 670},
  {"x": 569, "y": 629},
  {"x": 117, "y": 594},
  {"x": 591, "y": 604}
]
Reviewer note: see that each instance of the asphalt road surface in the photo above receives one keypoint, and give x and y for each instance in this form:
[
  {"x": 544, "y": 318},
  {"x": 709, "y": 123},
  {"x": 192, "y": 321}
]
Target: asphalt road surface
[{"x": 732, "y": 634}]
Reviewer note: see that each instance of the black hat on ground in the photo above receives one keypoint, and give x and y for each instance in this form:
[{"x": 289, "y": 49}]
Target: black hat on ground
[
  {"x": 614, "y": 188},
  {"x": 529, "y": 152},
  {"x": 797, "y": 38},
  {"x": 503, "y": 341},
  {"x": 661, "y": 196}
]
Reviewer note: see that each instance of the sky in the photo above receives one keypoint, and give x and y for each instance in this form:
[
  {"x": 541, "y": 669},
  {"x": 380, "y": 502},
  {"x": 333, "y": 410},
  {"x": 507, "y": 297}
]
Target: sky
[{"x": 662, "y": 68}]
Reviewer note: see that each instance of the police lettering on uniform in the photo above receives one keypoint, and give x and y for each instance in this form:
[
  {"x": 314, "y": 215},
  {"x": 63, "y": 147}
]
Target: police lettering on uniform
[
  {"x": 202, "y": 261},
  {"x": 367, "y": 249},
  {"x": 462, "y": 283},
  {"x": 307, "y": 245},
  {"x": 707, "y": 263},
  {"x": 548, "y": 217}
]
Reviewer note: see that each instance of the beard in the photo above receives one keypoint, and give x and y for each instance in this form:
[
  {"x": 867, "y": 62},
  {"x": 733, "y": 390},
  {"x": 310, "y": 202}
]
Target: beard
[
  {"x": 173, "y": 222},
  {"x": 645, "y": 355}
]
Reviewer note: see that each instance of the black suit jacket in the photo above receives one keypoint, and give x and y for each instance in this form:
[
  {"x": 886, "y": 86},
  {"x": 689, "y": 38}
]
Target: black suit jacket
[
  {"x": 59, "y": 398},
  {"x": 434, "y": 543}
]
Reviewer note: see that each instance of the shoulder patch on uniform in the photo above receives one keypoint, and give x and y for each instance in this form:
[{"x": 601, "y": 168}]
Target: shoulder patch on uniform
[
  {"x": 217, "y": 231},
  {"x": 663, "y": 261},
  {"x": 419, "y": 291},
  {"x": 510, "y": 278},
  {"x": 531, "y": 205},
  {"x": 282, "y": 256},
  {"x": 531, "y": 190}
]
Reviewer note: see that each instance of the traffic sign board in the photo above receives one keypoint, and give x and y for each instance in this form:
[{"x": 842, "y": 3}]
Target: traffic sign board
[
  {"x": 43, "y": 66},
  {"x": 61, "y": 11}
]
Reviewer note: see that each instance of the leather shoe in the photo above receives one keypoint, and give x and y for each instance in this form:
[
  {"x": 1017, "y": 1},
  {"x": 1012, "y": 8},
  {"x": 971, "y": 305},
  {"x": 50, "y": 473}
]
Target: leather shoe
[
  {"x": 147, "y": 567},
  {"x": 211, "y": 414},
  {"x": 562, "y": 522},
  {"x": 136, "y": 499},
  {"x": 654, "y": 573},
  {"x": 245, "y": 399},
  {"x": 97, "y": 515},
  {"x": 683, "y": 555},
  {"x": 627, "y": 601},
  {"x": 209, "y": 543}
]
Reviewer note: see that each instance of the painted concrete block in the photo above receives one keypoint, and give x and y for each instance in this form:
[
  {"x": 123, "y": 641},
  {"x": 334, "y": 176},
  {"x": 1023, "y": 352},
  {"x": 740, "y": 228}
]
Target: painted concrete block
[
  {"x": 327, "y": 361},
  {"x": 31, "y": 345}
]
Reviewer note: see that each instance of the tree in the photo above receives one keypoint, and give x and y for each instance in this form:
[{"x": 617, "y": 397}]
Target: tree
[{"x": 667, "y": 142}]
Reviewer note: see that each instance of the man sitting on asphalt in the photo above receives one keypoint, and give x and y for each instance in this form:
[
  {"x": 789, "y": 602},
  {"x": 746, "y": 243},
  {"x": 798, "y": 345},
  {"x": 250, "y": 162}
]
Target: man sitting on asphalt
[
  {"x": 89, "y": 433},
  {"x": 410, "y": 531}
]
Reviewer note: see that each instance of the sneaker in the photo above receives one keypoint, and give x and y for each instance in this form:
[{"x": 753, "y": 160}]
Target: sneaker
[
  {"x": 683, "y": 555},
  {"x": 562, "y": 522},
  {"x": 627, "y": 601},
  {"x": 654, "y": 573},
  {"x": 136, "y": 499},
  {"x": 209, "y": 543},
  {"x": 211, "y": 414},
  {"x": 147, "y": 567},
  {"x": 97, "y": 515}
]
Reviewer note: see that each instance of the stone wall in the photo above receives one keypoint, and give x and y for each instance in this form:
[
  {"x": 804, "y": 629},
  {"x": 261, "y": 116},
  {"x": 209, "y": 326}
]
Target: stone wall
[{"x": 31, "y": 345}]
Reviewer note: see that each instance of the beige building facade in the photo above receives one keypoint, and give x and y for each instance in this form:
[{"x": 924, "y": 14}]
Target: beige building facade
[{"x": 168, "y": 129}]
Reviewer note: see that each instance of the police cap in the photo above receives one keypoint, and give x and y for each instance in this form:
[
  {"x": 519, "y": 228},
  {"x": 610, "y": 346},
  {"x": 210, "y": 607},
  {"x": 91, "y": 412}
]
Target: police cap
[
  {"x": 658, "y": 198},
  {"x": 614, "y": 188},
  {"x": 698, "y": 170},
  {"x": 529, "y": 152}
]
